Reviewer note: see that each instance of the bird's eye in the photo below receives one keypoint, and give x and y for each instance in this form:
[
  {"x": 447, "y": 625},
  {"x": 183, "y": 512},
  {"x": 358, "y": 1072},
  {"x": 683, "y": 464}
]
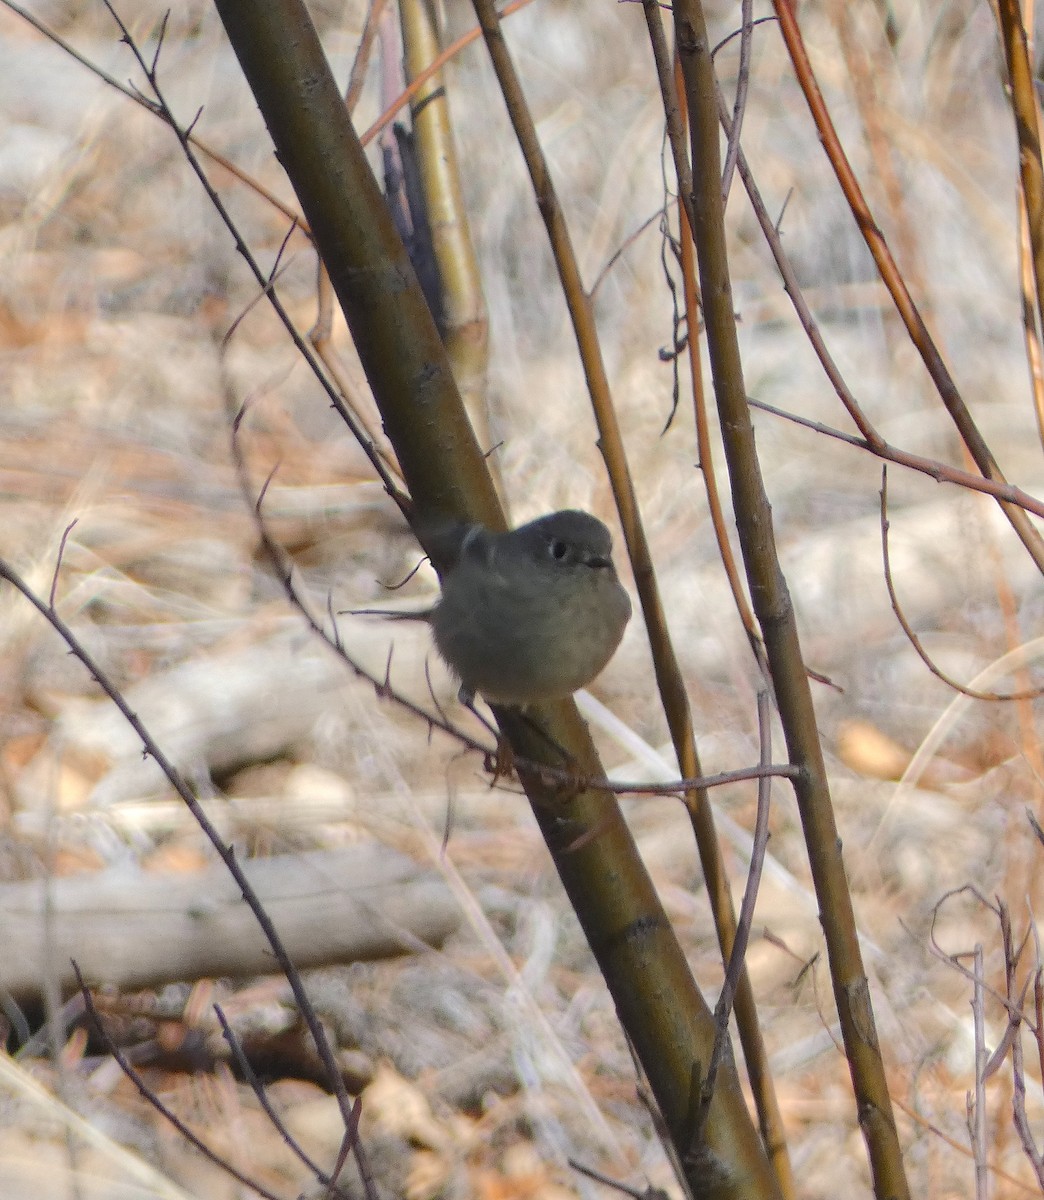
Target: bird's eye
[{"x": 559, "y": 550}]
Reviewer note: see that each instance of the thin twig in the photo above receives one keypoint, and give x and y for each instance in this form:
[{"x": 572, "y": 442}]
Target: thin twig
[
  {"x": 1018, "y": 1072},
  {"x": 152, "y": 1098},
  {"x": 228, "y": 856},
  {"x": 663, "y": 60},
  {"x": 361, "y": 61},
  {"x": 894, "y": 281},
  {"x": 940, "y": 472},
  {"x": 58, "y": 560},
  {"x": 977, "y": 1105},
  {"x": 263, "y": 281},
  {"x": 622, "y": 249},
  {"x": 1025, "y": 107},
  {"x": 266, "y": 1105},
  {"x": 913, "y": 639},
  {"x": 648, "y": 1193},
  {"x": 1038, "y": 1012},
  {"x": 731, "y": 37},
  {"x": 1031, "y": 332},
  {"x": 723, "y": 1009},
  {"x": 762, "y": 771},
  {"x": 320, "y": 335},
  {"x": 265, "y": 291},
  {"x": 1015, "y": 1013},
  {"x": 351, "y": 1135},
  {"x": 703, "y": 438},
  {"x": 433, "y": 68},
  {"x": 740, "y": 103}
]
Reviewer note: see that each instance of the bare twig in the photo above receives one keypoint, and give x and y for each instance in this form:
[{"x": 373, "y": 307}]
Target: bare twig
[
  {"x": 911, "y": 636},
  {"x": 762, "y": 771},
  {"x": 225, "y": 851},
  {"x": 361, "y": 61},
  {"x": 277, "y": 1122},
  {"x": 1015, "y": 1012},
  {"x": 320, "y": 335},
  {"x": 152, "y": 1098},
  {"x": 977, "y": 1105},
  {"x": 731, "y": 37},
  {"x": 1018, "y": 1072},
  {"x": 893, "y": 279},
  {"x": 1038, "y": 1012},
  {"x": 723, "y": 1008},
  {"x": 703, "y": 436},
  {"x": 939, "y": 471},
  {"x": 263, "y": 280},
  {"x": 433, "y": 68},
  {"x": 648, "y": 1193},
  {"x": 351, "y": 1134},
  {"x": 622, "y": 249},
  {"x": 673, "y": 112},
  {"x": 1031, "y": 329},
  {"x": 740, "y": 103},
  {"x": 868, "y": 69},
  {"x": 58, "y": 561}
]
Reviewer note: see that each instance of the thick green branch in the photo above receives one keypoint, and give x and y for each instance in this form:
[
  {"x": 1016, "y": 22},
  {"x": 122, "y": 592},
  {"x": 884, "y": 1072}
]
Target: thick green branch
[
  {"x": 396, "y": 338},
  {"x": 660, "y": 1007}
]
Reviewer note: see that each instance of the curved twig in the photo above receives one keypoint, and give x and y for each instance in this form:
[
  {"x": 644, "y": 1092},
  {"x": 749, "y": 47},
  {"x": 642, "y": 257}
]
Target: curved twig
[
  {"x": 167, "y": 1113},
  {"x": 911, "y": 636}
]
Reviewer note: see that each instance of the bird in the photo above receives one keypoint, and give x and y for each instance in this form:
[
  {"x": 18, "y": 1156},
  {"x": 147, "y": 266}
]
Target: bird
[{"x": 528, "y": 615}]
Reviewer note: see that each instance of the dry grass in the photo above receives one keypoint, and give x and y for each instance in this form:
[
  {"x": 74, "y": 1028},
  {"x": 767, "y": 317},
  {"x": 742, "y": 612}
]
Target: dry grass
[{"x": 117, "y": 288}]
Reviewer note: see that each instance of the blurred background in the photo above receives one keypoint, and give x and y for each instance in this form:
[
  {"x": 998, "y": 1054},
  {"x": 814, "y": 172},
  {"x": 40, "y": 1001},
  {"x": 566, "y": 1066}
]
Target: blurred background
[{"x": 117, "y": 290}]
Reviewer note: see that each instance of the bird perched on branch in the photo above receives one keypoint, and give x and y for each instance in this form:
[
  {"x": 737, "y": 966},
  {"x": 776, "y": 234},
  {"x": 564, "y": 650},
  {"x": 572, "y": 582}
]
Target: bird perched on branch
[{"x": 528, "y": 615}]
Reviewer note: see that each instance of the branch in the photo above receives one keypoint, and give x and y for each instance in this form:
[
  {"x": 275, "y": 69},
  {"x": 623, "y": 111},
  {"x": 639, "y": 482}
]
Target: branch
[
  {"x": 773, "y": 607},
  {"x": 914, "y": 640},
  {"x": 893, "y": 280},
  {"x": 224, "y": 850},
  {"x": 168, "y": 1114}
]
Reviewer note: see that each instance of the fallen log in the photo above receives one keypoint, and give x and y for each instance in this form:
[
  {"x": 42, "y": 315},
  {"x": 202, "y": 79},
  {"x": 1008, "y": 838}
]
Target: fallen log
[{"x": 130, "y": 929}]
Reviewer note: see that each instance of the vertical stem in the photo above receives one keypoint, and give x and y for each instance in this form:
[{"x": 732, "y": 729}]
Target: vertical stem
[{"x": 772, "y": 604}]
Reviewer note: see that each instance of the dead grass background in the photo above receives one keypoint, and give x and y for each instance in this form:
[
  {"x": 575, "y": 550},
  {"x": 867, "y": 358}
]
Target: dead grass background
[{"x": 117, "y": 288}]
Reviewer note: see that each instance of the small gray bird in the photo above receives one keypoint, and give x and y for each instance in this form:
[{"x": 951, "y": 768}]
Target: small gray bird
[{"x": 528, "y": 615}]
